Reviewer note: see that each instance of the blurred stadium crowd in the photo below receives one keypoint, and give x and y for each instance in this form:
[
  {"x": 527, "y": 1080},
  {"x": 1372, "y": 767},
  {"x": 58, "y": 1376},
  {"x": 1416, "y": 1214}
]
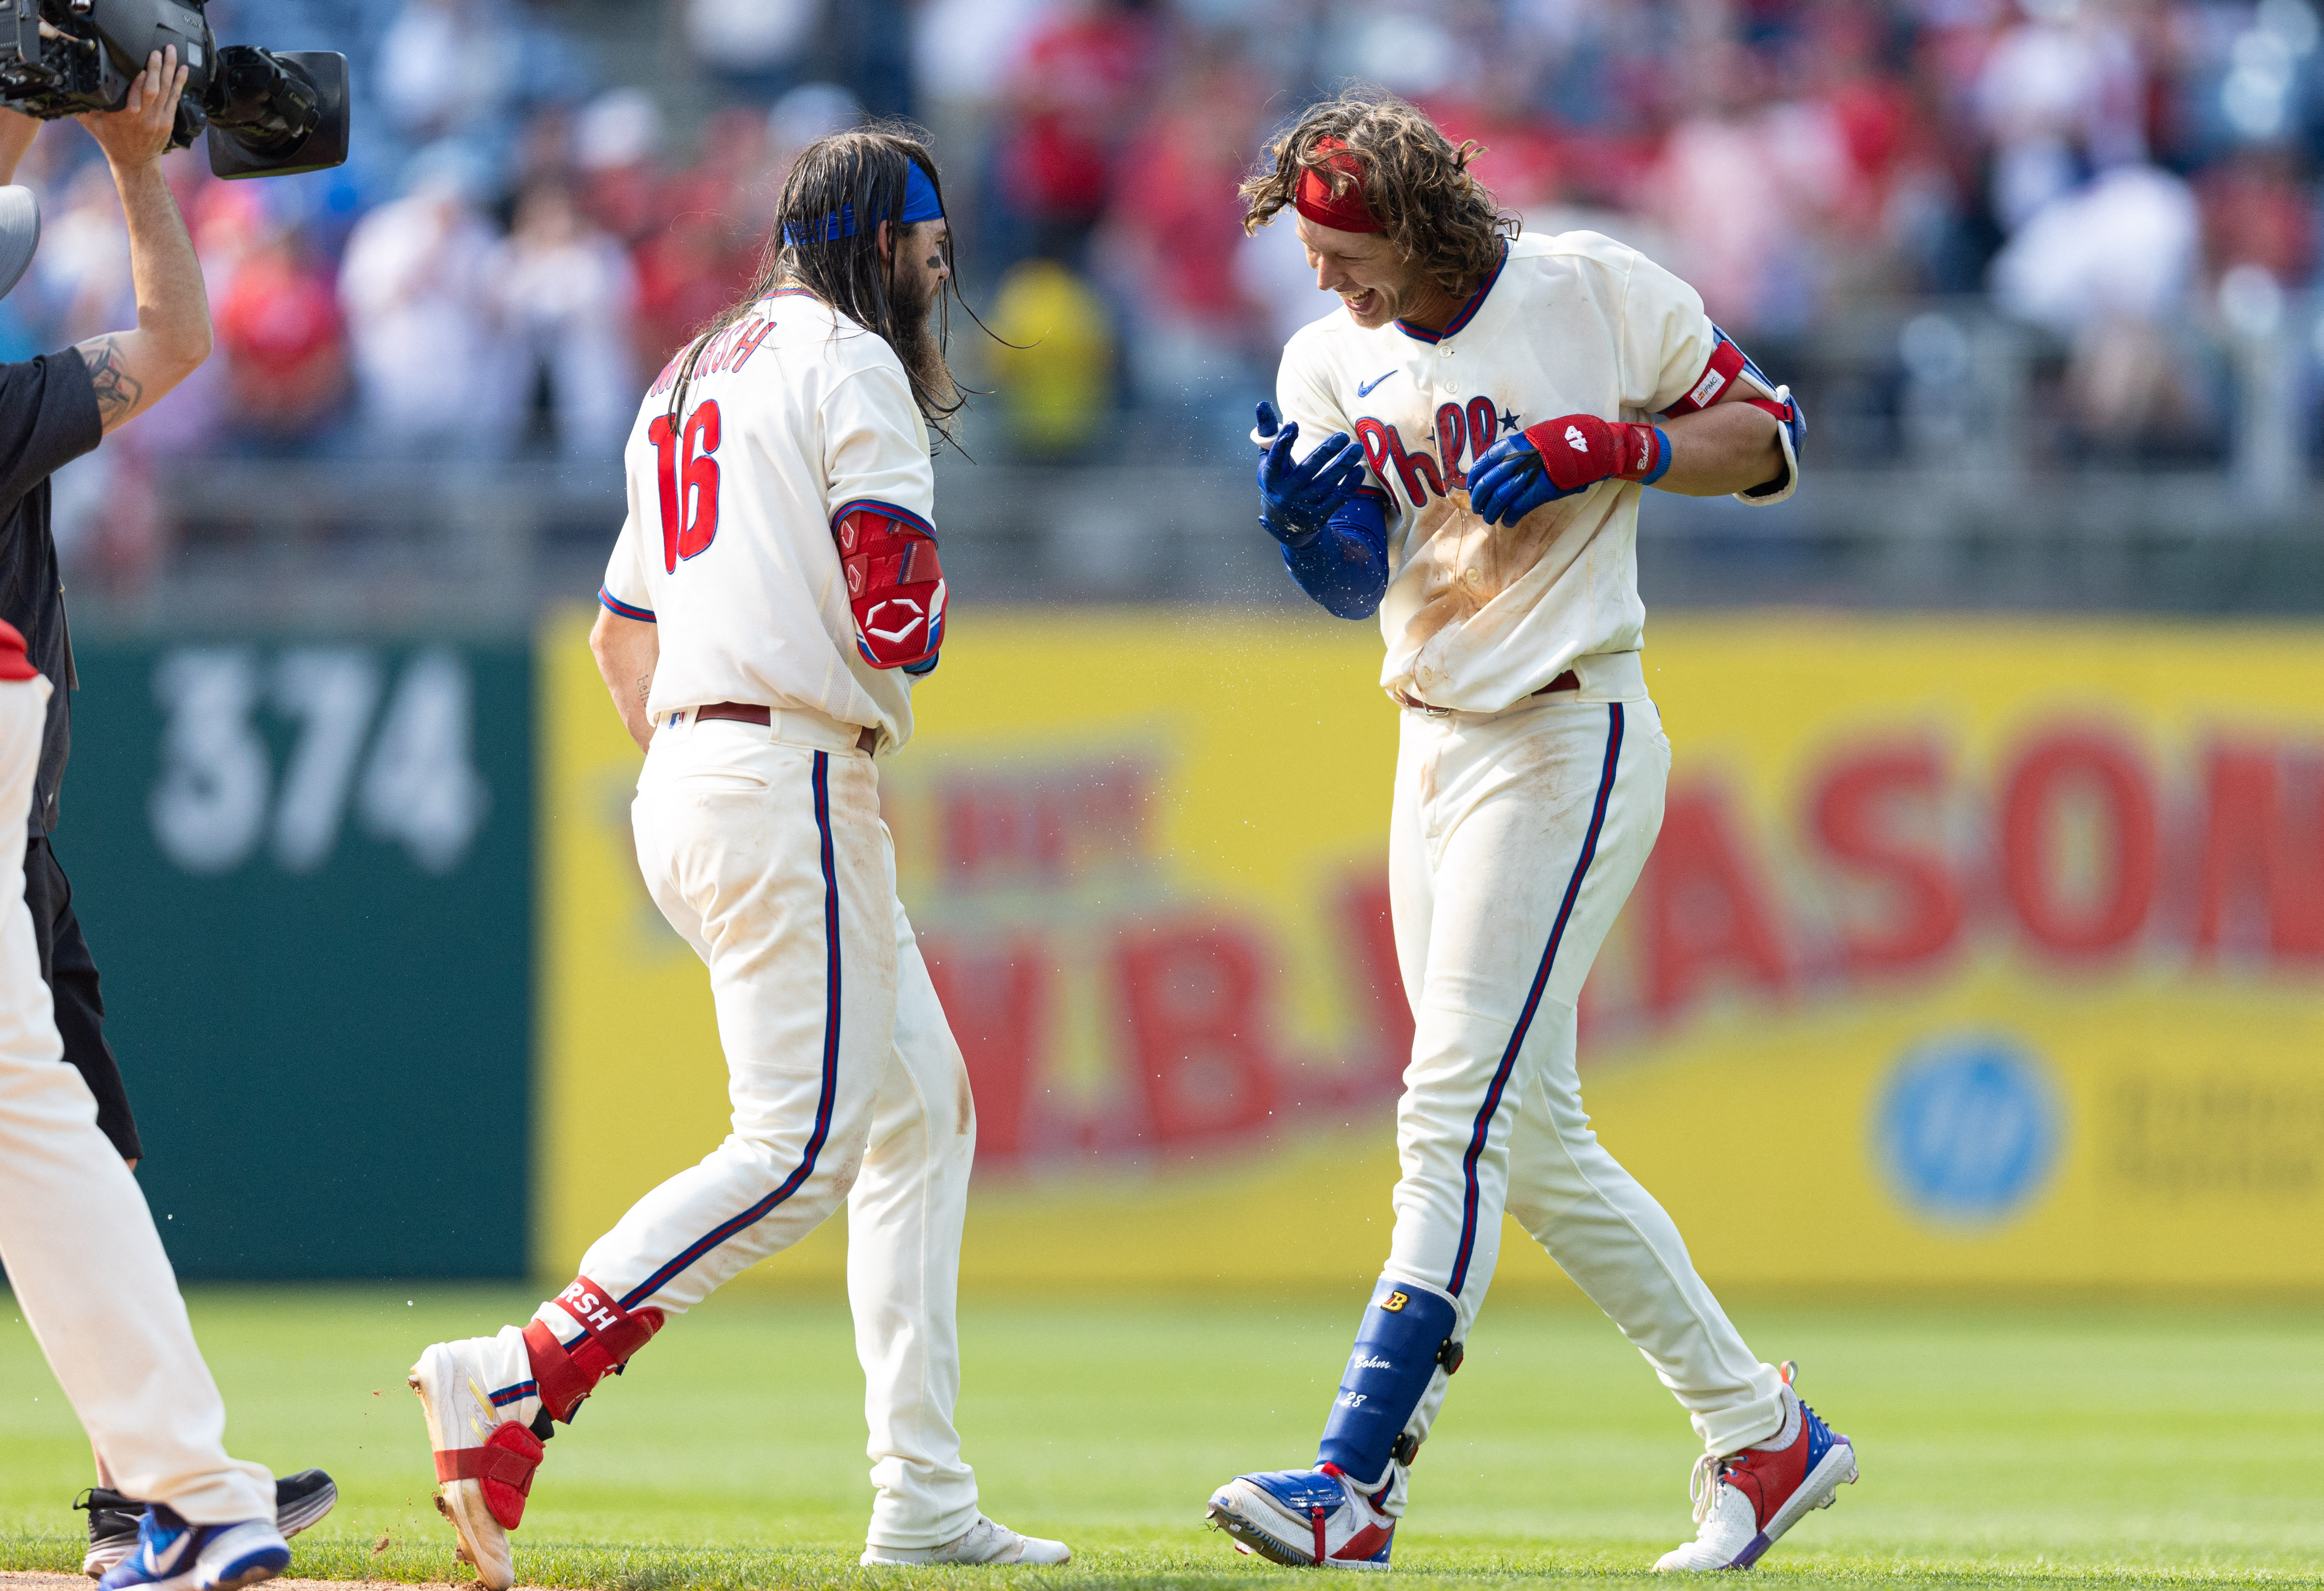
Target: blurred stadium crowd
[{"x": 545, "y": 198}]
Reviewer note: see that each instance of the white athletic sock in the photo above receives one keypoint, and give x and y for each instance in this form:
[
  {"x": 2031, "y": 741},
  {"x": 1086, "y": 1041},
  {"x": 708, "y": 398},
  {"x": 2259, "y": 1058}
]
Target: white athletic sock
[{"x": 1790, "y": 1431}]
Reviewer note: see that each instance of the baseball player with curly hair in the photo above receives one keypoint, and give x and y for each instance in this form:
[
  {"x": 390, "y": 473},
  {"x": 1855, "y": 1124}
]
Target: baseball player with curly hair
[
  {"x": 770, "y": 604},
  {"x": 1492, "y": 404}
]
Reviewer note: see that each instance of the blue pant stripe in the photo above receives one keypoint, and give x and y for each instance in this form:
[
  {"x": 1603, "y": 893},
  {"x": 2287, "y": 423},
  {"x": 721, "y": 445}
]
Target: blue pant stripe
[
  {"x": 1533, "y": 1003},
  {"x": 806, "y": 1169}
]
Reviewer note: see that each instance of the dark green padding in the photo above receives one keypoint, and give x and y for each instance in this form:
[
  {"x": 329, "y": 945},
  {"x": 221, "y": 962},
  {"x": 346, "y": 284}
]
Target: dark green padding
[{"x": 308, "y": 884}]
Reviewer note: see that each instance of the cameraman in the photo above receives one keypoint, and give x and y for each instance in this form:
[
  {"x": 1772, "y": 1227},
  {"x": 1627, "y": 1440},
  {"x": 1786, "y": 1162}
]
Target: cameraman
[
  {"x": 52, "y": 409},
  {"x": 81, "y": 1250}
]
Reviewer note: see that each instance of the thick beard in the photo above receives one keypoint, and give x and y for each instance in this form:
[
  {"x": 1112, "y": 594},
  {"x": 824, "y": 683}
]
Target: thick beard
[{"x": 915, "y": 342}]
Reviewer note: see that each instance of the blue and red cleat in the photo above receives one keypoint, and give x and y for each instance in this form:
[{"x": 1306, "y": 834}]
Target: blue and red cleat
[
  {"x": 173, "y": 1554},
  {"x": 1303, "y": 1517},
  {"x": 1746, "y": 1501}
]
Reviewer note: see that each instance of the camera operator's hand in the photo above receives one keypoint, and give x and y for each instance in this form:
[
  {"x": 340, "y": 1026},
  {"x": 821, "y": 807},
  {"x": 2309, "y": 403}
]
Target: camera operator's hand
[
  {"x": 131, "y": 370},
  {"x": 138, "y": 134},
  {"x": 17, "y": 132}
]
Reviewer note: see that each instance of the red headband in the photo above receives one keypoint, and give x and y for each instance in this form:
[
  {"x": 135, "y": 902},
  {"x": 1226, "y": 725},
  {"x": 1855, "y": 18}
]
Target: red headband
[{"x": 1342, "y": 212}]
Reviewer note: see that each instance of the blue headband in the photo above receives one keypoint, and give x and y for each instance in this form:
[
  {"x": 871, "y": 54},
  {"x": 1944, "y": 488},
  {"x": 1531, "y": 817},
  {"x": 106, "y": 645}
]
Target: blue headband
[
  {"x": 920, "y": 204},
  {"x": 920, "y": 201}
]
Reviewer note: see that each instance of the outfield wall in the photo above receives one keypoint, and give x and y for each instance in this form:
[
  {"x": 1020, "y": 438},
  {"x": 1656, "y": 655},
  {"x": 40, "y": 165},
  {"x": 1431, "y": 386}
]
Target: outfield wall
[
  {"x": 305, "y": 873},
  {"x": 1986, "y": 954},
  {"x": 1972, "y": 954}
]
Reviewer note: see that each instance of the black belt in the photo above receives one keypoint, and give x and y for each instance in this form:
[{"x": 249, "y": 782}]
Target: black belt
[{"x": 745, "y": 712}]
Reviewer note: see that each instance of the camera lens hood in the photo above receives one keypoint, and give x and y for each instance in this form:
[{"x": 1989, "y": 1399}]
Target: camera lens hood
[{"x": 19, "y": 234}]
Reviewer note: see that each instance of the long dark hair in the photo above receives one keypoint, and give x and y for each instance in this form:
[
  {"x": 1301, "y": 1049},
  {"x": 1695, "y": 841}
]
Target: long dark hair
[{"x": 860, "y": 172}]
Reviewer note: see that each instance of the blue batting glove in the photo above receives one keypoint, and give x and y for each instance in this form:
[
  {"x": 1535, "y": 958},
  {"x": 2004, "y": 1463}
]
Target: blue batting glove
[
  {"x": 1299, "y": 497},
  {"x": 1507, "y": 481}
]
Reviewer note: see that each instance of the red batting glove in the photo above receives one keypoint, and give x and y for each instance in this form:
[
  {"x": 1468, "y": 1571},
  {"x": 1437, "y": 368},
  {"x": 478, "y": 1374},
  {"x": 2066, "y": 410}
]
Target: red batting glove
[{"x": 1579, "y": 451}]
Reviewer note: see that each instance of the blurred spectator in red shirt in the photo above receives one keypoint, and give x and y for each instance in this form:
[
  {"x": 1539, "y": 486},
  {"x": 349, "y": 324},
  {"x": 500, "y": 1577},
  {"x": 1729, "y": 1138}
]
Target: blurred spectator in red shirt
[
  {"x": 721, "y": 205},
  {"x": 278, "y": 325},
  {"x": 1175, "y": 217},
  {"x": 1078, "y": 92},
  {"x": 2256, "y": 212},
  {"x": 1176, "y": 231}
]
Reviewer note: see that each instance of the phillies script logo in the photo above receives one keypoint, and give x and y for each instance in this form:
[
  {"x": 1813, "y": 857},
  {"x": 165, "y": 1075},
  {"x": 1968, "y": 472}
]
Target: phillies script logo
[{"x": 1462, "y": 430}]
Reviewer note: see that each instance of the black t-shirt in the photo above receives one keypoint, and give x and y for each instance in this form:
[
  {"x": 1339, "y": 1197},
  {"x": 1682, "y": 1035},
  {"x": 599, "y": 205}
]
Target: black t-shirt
[{"x": 48, "y": 419}]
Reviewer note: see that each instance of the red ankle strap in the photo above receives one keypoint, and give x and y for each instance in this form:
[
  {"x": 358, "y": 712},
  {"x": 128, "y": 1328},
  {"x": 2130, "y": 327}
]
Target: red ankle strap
[{"x": 609, "y": 1335}]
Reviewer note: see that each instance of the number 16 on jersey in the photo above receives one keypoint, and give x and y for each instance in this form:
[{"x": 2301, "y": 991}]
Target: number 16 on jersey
[{"x": 689, "y": 486}]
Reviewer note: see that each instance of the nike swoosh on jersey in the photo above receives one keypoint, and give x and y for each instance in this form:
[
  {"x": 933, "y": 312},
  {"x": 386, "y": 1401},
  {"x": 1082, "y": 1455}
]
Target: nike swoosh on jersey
[{"x": 1364, "y": 388}]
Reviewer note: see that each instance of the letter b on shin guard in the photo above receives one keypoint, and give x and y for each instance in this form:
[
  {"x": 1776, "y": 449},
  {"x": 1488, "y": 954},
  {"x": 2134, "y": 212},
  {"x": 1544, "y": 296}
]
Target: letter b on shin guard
[{"x": 1404, "y": 1332}]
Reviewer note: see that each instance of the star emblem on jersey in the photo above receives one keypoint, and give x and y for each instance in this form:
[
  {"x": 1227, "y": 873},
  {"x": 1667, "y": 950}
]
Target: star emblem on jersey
[
  {"x": 1573, "y": 440},
  {"x": 1508, "y": 422}
]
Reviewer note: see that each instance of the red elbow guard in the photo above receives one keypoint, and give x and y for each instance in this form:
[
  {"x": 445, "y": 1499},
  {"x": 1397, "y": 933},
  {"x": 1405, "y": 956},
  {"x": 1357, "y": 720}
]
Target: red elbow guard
[{"x": 895, "y": 582}]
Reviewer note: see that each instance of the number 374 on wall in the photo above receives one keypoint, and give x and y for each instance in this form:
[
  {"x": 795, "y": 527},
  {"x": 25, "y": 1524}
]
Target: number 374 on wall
[{"x": 218, "y": 797}]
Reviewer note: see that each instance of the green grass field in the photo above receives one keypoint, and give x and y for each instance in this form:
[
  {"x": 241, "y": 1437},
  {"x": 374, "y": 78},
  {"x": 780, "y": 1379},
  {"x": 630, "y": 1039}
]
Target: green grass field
[{"x": 2112, "y": 1445}]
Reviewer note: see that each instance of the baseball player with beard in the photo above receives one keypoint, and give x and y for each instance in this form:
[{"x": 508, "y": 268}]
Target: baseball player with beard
[
  {"x": 1493, "y": 402},
  {"x": 770, "y": 604}
]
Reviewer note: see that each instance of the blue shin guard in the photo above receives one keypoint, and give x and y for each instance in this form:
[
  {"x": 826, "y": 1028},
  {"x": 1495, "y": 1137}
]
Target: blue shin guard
[{"x": 1407, "y": 1333}]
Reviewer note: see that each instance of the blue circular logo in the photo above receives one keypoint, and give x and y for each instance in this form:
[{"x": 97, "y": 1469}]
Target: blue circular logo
[{"x": 1968, "y": 1129}]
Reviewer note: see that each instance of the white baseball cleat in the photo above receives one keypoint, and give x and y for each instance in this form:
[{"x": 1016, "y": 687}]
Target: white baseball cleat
[
  {"x": 985, "y": 1542},
  {"x": 1746, "y": 1501},
  {"x": 485, "y": 1463},
  {"x": 1304, "y": 1518}
]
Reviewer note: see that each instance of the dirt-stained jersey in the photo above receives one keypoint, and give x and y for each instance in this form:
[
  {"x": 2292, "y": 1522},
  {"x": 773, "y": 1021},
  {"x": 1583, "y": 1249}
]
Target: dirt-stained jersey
[
  {"x": 795, "y": 416},
  {"x": 1478, "y": 617}
]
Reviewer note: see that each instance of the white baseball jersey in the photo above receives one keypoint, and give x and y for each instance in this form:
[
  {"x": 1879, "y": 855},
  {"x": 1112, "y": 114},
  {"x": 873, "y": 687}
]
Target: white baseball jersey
[
  {"x": 796, "y": 415},
  {"x": 1477, "y": 617}
]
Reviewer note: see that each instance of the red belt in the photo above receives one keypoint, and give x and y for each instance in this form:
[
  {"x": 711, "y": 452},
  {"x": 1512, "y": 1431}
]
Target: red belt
[
  {"x": 1568, "y": 681},
  {"x": 743, "y": 712}
]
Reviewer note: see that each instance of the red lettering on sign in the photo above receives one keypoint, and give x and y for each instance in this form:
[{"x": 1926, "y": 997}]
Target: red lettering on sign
[
  {"x": 1040, "y": 828},
  {"x": 1858, "y": 813},
  {"x": 2259, "y": 860},
  {"x": 2060, "y": 768},
  {"x": 1196, "y": 1000},
  {"x": 1706, "y": 912},
  {"x": 997, "y": 1007}
]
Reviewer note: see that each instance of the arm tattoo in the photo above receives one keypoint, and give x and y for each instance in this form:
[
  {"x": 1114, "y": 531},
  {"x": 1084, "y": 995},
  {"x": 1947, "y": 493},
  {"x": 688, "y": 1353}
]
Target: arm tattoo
[{"x": 117, "y": 391}]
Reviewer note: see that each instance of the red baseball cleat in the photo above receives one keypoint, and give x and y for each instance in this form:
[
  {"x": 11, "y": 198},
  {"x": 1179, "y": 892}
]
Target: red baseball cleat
[{"x": 1746, "y": 1501}]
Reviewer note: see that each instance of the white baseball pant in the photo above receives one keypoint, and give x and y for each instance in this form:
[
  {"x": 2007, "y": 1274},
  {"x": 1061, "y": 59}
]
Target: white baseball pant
[
  {"x": 87, "y": 1267},
  {"x": 1515, "y": 838},
  {"x": 764, "y": 847}
]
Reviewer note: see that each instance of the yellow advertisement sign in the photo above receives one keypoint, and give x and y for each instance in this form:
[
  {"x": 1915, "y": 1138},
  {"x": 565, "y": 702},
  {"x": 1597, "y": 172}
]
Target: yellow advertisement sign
[{"x": 1971, "y": 953}]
